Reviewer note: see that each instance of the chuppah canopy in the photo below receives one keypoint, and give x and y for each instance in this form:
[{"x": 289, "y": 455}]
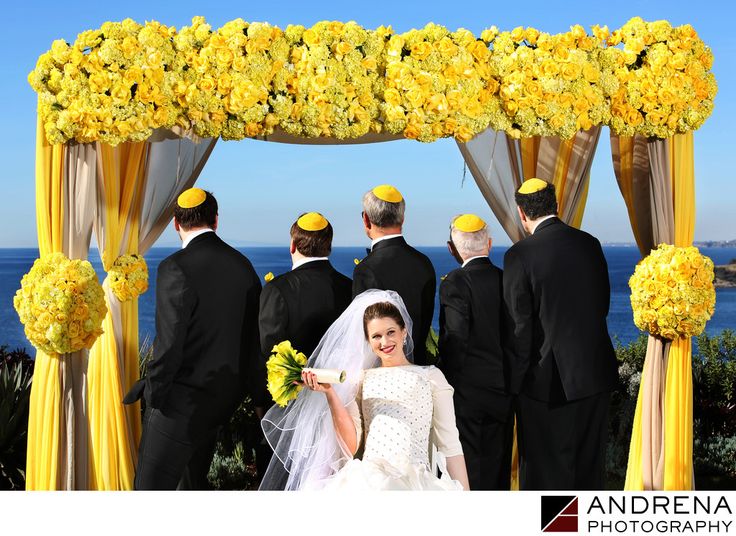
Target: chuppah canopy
[{"x": 129, "y": 114}]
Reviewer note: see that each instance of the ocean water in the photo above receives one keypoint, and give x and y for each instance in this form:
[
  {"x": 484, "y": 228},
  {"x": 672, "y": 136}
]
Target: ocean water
[{"x": 621, "y": 262}]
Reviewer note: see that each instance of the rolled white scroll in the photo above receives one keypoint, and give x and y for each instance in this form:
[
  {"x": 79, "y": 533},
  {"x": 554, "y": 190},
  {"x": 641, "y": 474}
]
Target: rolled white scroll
[{"x": 324, "y": 375}]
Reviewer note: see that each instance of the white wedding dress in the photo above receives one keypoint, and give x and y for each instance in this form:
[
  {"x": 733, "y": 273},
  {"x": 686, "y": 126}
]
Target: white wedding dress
[{"x": 402, "y": 409}]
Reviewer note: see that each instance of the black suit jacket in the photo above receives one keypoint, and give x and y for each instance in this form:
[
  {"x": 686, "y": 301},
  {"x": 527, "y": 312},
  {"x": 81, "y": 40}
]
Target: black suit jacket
[
  {"x": 300, "y": 305},
  {"x": 473, "y": 324},
  {"x": 393, "y": 264},
  {"x": 557, "y": 290},
  {"x": 205, "y": 354}
]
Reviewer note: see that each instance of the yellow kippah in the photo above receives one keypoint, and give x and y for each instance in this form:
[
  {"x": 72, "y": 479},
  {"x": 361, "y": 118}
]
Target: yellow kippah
[
  {"x": 388, "y": 193},
  {"x": 312, "y": 221},
  {"x": 468, "y": 223},
  {"x": 532, "y": 186},
  {"x": 191, "y": 198}
]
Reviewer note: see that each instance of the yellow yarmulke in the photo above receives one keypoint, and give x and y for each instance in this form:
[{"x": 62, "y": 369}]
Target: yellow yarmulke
[
  {"x": 312, "y": 221},
  {"x": 388, "y": 193},
  {"x": 468, "y": 223},
  {"x": 532, "y": 186},
  {"x": 191, "y": 198}
]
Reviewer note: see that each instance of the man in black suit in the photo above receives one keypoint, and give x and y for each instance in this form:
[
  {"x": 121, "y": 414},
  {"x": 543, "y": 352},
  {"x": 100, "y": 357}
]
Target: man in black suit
[
  {"x": 392, "y": 264},
  {"x": 205, "y": 352},
  {"x": 473, "y": 320},
  {"x": 557, "y": 290},
  {"x": 300, "y": 305}
]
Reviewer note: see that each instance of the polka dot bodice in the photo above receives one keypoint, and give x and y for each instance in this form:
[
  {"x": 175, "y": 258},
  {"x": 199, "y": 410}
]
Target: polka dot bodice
[{"x": 397, "y": 411}]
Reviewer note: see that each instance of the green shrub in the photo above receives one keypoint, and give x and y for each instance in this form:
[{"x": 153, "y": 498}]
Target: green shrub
[{"x": 16, "y": 375}]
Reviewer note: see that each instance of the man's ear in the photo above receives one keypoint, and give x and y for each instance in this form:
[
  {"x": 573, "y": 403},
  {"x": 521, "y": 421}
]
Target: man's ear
[
  {"x": 366, "y": 222},
  {"x": 177, "y": 227},
  {"x": 522, "y": 216},
  {"x": 217, "y": 220},
  {"x": 292, "y": 247},
  {"x": 490, "y": 243}
]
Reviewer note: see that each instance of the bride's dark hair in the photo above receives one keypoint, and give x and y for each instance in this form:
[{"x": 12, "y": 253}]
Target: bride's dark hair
[{"x": 381, "y": 310}]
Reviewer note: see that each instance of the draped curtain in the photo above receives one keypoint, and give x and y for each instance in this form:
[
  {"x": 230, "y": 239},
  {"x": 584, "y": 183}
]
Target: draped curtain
[
  {"x": 138, "y": 184},
  {"x": 80, "y": 436},
  {"x": 657, "y": 181},
  {"x": 57, "y": 425},
  {"x": 499, "y": 164}
]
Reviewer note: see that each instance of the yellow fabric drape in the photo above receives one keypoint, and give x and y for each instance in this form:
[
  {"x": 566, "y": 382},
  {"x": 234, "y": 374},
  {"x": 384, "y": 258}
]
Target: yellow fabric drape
[
  {"x": 678, "y": 408},
  {"x": 45, "y": 413},
  {"x": 113, "y": 368}
]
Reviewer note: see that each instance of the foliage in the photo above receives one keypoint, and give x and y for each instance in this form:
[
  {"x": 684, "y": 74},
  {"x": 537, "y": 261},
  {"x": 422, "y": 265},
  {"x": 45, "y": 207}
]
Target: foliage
[
  {"x": 234, "y": 464},
  {"x": 16, "y": 374},
  {"x": 432, "y": 345}
]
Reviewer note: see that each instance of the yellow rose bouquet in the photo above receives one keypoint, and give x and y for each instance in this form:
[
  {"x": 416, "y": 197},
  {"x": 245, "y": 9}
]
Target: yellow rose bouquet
[
  {"x": 672, "y": 293},
  {"x": 61, "y": 304},
  {"x": 128, "y": 277}
]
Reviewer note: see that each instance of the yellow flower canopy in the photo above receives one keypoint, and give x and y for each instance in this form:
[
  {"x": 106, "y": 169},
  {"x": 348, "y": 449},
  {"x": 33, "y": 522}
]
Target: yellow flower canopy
[{"x": 120, "y": 82}]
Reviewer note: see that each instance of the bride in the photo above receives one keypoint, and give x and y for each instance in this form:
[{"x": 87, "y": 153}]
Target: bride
[{"x": 388, "y": 409}]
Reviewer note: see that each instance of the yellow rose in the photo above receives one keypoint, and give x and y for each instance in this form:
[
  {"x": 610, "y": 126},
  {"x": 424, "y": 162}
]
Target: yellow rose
[
  {"x": 518, "y": 34},
  {"x": 571, "y": 71},
  {"x": 369, "y": 63},
  {"x": 342, "y": 48},
  {"x": 411, "y": 132},
  {"x": 421, "y": 50},
  {"x": 437, "y": 104},
  {"x": 415, "y": 97},
  {"x": 463, "y": 134},
  {"x": 446, "y": 47},
  {"x": 392, "y": 96},
  {"x": 550, "y": 67},
  {"x": 532, "y": 34},
  {"x": 310, "y": 37},
  {"x": 590, "y": 73},
  {"x": 489, "y": 34},
  {"x": 207, "y": 84}
]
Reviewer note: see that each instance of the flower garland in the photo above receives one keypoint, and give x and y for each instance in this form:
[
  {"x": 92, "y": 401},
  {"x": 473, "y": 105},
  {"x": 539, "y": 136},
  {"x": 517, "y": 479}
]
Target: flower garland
[
  {"x": 672, "y": 292},
  {"x": 61, "y": 304},
  {"x": 551, "y": 84},
  {"x": 128, "y": 277},
  {"x": 666, "y": 85},
  {"x": 340, "y": 80},
  {"x": 113, "y": 84}
]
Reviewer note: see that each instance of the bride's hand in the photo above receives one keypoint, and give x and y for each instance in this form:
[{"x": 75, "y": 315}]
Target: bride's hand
[{"x": 309, "y": 379}]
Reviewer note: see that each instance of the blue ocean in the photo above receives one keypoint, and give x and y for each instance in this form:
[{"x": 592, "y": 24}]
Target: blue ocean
[{"x": 621, "y": 262}]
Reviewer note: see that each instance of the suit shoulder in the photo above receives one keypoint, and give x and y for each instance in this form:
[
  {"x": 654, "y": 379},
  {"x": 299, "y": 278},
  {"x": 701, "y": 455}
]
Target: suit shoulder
[{"x": 454, "y": 277}]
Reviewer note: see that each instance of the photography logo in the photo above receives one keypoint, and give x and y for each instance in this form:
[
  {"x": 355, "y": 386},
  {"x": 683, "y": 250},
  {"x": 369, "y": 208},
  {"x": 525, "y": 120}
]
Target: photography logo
[{"x": 559, "y": 513}]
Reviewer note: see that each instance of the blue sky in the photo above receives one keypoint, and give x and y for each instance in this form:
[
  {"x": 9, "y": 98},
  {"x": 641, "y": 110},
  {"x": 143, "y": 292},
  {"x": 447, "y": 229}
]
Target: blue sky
[{"x": 262, "y": 187}]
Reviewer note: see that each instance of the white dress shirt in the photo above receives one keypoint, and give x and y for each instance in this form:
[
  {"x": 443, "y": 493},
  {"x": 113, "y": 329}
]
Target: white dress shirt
[{"x": 195, "y": 234}]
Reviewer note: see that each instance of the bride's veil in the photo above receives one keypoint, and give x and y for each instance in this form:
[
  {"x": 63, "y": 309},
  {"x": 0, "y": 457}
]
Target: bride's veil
[{"x": 302, "y": 436}]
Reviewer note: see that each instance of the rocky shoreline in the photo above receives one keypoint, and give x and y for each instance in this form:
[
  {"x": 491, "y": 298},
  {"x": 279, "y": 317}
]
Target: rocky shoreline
[{"x": 726, "y": 275}]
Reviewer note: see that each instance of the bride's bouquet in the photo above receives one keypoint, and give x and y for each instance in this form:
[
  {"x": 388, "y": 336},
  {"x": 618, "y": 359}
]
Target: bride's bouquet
[{"x": 285, "y": 373}]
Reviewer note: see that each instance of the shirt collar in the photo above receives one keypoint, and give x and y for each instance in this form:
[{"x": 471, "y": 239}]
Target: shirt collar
[
  {"x": 305, "y": 260},
  {"x": 473, "y": 258},
  {"x": 377, "y": 240},
  {"x": 194, "y": 235},
  {"x": 540, "y": 220}
]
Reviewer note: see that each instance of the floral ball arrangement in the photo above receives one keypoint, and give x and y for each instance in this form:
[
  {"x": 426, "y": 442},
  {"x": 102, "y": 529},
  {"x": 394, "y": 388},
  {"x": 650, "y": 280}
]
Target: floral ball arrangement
[
  {"x": 61, "y": 304},
  {"x": 128, "y": 277},
  {"x": 672, "y": 292}
]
